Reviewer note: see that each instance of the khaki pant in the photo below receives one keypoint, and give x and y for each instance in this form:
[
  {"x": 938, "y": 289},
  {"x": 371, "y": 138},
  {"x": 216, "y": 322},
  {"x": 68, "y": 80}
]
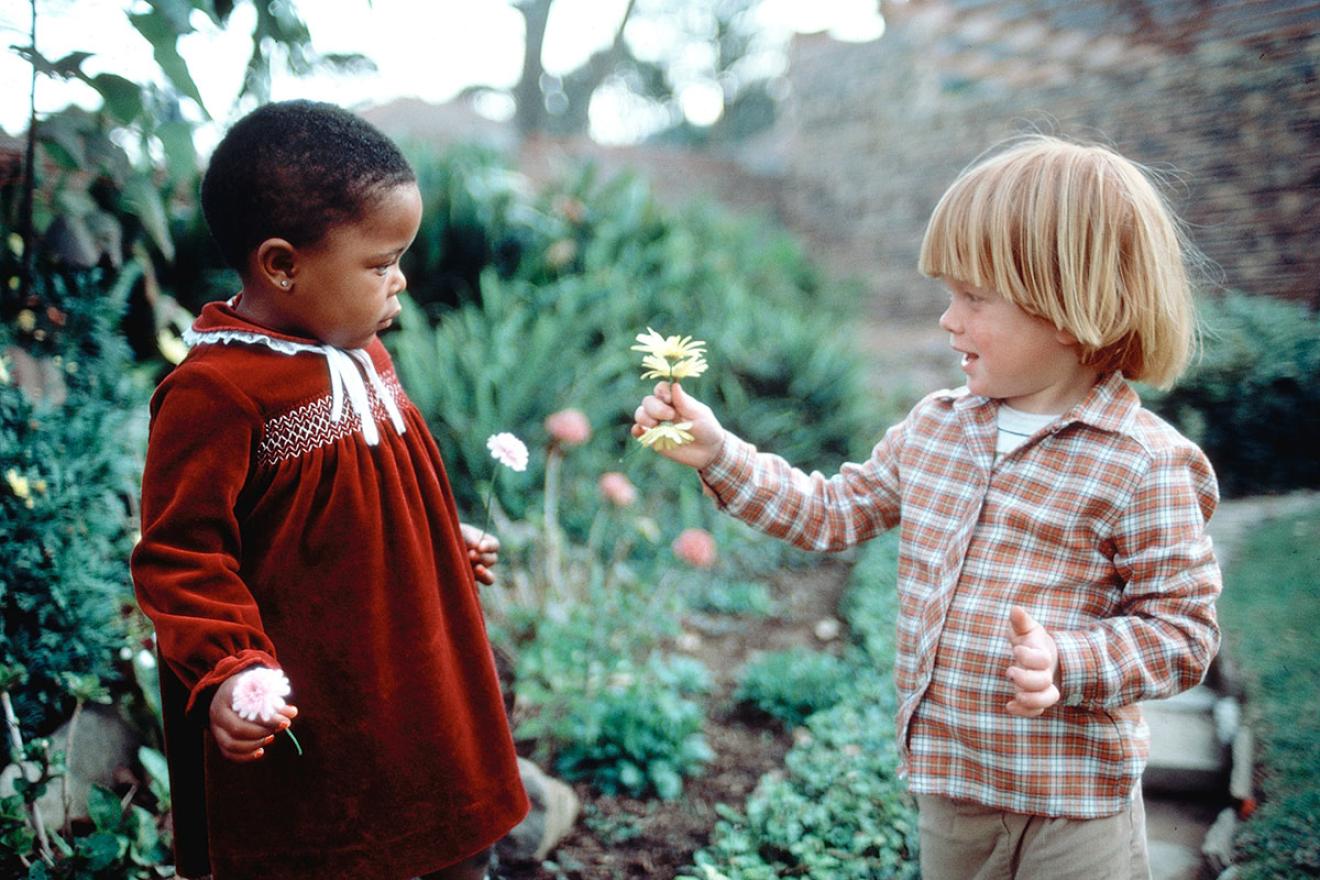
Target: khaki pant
[{"x": 966, "y": 841}]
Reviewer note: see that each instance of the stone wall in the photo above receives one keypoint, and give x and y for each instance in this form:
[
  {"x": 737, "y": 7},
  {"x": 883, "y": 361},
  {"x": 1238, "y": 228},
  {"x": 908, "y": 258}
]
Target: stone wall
[{"x": 1221, "y": 100}]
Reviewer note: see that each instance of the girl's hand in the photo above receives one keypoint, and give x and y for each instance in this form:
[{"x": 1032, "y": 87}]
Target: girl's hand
[
  {"x": 1035, "y": 666},
  {"x": 483, "y": 552},
  {"x": 670, "y": 403},
  {"x": 238, "y": 739}
]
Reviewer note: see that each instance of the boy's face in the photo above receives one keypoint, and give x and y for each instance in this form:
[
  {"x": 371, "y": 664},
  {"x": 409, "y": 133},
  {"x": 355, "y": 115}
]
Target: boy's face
[
  {"x": 346, "y": 285},
  {"x": 1010, "y": 355}
]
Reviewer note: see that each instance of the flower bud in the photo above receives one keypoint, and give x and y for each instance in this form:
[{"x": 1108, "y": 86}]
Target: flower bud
[
  {"x": 568, "y": 427},
  {"x": 617, "y": 489},
  {"x": 696, "y": 547}
]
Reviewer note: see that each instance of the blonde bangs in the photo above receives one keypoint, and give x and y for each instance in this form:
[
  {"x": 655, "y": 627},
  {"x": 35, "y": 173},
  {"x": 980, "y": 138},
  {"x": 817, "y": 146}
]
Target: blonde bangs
[{"x": 1076, "y": 235}]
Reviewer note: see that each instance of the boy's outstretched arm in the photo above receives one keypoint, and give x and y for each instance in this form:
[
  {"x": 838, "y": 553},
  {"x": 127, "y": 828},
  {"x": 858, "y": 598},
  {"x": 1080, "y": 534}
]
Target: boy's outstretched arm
[{"x": 670, "y": 403}]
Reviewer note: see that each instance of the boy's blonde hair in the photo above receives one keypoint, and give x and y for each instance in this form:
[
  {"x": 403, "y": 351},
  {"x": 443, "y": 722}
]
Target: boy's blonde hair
[{"x": 1075, "y": 234}]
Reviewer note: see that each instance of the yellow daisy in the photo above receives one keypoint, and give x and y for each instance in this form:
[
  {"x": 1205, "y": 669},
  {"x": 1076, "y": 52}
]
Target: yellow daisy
[{"x": 667, "y": 435}]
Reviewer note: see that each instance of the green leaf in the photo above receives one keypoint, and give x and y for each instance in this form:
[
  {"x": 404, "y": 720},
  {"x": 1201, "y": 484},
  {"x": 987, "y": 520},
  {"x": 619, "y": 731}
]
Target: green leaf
[
  {"x": 163, "y": 31},
  {"x": 143, "y": 199},
  {"x": 123, "y": 97},
  {"x": 101, "y": 850},
  {"x": 180, "y": 152},
  {"x": 158, "y": 775},
  {"x": 104, "y": 808}
]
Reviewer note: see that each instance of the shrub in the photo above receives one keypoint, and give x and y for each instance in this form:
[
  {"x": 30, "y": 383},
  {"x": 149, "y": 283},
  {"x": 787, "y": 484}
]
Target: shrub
[
  {"x": 71, "y": 469},
  {"x": 633, "y": 728},
  {"x": 794, "y": 684},
  {"x": 1251, "y": 399},
  {"x": 1270, "y": 617},
  {"x": 554, "y": 330}
]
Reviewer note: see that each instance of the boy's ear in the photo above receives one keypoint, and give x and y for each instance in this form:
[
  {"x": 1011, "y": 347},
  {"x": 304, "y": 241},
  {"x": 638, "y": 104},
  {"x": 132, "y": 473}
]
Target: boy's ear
[
  {"x": 276, "y": 262},
  {"x": 1065, "y": 337}
]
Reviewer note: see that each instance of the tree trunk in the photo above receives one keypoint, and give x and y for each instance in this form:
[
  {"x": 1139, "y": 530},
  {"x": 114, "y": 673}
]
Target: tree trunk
[{"x": 530, "y": 112}]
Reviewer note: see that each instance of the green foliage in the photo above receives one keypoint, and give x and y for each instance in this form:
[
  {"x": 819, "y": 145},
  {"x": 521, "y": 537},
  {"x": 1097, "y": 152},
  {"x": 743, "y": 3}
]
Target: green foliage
[
  {"x": 603, "y": 706},
  {"x": 70, "y": 471},
  {"x": 794, "y": 684},
  {"x": 744, "y": 598},
  {"x": 1251, "y": 399},
  {"x": 1270, "y": 617},
  {"x": 838, "y": 809},
  {"x": 557, "y": 286}
]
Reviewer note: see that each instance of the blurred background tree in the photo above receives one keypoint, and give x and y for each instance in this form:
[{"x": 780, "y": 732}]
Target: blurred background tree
[{"x": 712, "y": 82}]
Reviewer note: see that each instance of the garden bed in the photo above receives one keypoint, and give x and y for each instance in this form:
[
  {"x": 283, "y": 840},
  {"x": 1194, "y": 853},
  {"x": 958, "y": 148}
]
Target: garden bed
[{"x": 618, "y": 837}]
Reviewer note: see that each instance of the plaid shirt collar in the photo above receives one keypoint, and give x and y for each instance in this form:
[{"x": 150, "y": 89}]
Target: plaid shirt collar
[{"x": 1110, "y": 405}]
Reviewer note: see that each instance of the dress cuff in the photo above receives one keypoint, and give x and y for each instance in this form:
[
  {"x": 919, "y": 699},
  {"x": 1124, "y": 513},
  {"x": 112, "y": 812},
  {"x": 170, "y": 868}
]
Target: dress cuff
[{"x": 231, "y": 665}]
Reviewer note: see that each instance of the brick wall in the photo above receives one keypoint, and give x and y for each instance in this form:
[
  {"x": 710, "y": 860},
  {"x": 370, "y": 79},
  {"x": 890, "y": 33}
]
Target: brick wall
[{"x": 1221, "y": 98}]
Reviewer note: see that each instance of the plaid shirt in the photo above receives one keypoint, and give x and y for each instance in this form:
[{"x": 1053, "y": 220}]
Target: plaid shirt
[{"x": 1096, "y": 525}]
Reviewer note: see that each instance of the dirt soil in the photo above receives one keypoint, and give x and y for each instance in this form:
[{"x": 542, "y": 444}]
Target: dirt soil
[{"x": 622, "y": 838}]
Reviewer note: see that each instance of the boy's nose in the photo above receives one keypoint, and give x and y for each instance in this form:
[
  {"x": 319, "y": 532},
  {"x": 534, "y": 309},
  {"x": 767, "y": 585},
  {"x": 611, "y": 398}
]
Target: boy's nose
[{"x": 947, "y": 322}]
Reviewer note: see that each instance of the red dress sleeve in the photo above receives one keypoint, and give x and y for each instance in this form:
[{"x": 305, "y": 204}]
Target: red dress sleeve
[{"x": 186, "y": 568}]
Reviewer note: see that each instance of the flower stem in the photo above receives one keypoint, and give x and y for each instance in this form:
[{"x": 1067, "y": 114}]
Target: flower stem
[
  {"x": 490, "y": 495},
  {"x": 297, "y": 745}
]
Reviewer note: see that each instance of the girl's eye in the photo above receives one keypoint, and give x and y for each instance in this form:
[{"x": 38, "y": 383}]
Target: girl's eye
[{"x": 384, "y": 270}]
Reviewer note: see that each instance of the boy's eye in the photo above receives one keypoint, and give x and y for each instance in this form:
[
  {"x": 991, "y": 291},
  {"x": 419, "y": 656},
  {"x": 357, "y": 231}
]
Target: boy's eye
[{"x": 385, "y": 269}]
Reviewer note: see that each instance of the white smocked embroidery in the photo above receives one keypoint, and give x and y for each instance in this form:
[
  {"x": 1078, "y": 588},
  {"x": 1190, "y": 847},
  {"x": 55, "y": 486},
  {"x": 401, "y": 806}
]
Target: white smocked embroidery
[{"x": 347, "y": 368}]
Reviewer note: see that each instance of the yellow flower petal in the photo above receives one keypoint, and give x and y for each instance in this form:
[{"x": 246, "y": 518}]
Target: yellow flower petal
[
  {"x": 667, "y": 435},
  {"x": 18, "y": 484},
  {"x": 688, "y": 368}
]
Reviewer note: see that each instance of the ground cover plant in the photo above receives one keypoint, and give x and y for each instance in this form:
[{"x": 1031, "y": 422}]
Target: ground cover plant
[{"x": 1270, "y": 617}]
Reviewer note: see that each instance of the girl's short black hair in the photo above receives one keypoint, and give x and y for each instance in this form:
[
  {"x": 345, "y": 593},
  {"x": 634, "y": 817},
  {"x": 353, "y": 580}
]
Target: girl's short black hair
[{"x": 295, "y": 170}]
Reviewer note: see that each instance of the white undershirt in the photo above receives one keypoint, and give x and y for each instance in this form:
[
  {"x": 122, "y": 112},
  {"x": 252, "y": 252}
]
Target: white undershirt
[{"x": 1016, "y": 426}]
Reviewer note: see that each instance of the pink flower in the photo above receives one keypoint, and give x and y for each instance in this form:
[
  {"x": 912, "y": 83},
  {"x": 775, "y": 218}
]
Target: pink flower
[
  {"x": 569, "y": 427},
  {"x": 259, "y": 693},
  {"x": 696, "y": 547},
  {"x": 617, "y": 489},
  {"x": 508, "y": 450}
]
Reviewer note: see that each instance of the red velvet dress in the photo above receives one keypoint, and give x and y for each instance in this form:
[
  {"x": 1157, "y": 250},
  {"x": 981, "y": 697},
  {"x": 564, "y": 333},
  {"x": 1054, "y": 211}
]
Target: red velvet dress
[{"x": 280, "y": 527}]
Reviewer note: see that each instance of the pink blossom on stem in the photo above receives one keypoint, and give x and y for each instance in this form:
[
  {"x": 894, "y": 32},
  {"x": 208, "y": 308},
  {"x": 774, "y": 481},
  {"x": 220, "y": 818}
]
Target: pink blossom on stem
[
  {"x": 696, "y": 547},
  {"x": 508, "y": 450},
  {"x": 617, "y": 489},
  {"x": 569, "y": 427},
  {"x": 259, "y": 693}
]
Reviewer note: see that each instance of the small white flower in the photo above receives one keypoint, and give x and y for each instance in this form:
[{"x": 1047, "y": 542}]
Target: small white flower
[
  {"x": 508, "y": 450},
  {"x": 146, "y": 659},
  {"x": 259, "y": 693}
]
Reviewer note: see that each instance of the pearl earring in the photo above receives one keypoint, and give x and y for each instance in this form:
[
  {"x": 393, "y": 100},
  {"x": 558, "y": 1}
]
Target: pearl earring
[{"x": 284, "y": 283}]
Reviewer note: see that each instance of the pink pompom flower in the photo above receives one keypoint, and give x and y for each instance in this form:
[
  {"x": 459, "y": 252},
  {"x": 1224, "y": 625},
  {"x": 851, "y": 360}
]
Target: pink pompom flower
[
  {"x": 696, "y": 547},
  {"x": 508, "y": 450},
  {"x": 569, "y": 427},
  {"x": 259, "y": 693},
  {"x": 617, "y": 489}
]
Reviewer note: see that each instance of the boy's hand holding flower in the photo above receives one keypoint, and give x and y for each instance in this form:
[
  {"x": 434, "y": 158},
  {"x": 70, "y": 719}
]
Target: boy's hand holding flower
[
  {"x": 1035, "y": 666},
  {"x": 248, "y": 709},
  {"x": 670, "y": 403}
]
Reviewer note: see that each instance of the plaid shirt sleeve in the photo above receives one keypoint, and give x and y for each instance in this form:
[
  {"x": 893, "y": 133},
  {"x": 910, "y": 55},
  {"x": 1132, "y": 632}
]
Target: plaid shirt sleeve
[
  {"x": 810, "y": 511},
  {"x": 1166, "y": 633}
]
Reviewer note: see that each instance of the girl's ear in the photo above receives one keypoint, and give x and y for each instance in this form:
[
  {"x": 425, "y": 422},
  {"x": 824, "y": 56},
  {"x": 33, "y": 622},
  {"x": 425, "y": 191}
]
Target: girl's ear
[
  {"x": 1065, "y": 337},
  {"x": 276, "y": 262}
]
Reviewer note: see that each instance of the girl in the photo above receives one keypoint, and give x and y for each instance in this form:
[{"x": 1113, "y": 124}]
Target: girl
[{"x": 296, "y": 516}]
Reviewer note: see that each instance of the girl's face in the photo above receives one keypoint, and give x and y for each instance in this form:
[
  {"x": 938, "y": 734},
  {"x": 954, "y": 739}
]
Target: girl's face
[
  {"x": 1010, "y": 355},
  {"x": 346, "y": 285}
]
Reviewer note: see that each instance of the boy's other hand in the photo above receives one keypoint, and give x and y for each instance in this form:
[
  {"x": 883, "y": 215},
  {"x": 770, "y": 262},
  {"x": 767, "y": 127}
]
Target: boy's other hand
[
  {"x": 238, "y": 739},
  {"x": 670, "y": 403},
  {"x": 1035, "y": 666},
  {"x": 483, "y": 550}
]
